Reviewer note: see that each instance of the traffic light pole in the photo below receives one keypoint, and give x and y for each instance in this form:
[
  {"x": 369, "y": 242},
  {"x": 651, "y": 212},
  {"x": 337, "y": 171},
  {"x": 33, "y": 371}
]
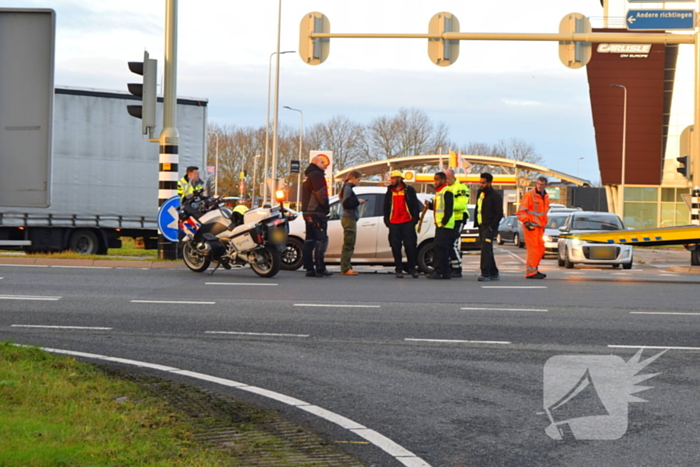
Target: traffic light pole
[{"x": 169, "y": 138}]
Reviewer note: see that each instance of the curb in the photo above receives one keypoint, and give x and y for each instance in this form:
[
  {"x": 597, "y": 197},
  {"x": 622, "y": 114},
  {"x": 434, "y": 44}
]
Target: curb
[
  {"x": 685, "y": 269},
  {"x": 136, "y": 264}
]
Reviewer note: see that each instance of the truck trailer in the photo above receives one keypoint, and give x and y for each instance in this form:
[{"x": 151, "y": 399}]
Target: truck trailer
[{"x": 104, "y": 175}]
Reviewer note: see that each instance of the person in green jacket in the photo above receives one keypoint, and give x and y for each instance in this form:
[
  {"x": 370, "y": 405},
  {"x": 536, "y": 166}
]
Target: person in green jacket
[{"x": 460, "y": 194}]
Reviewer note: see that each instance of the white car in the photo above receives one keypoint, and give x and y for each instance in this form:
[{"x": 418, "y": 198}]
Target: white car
[
  {"x": 372, "y": 246},
  {"x": 576, "y": 251}
]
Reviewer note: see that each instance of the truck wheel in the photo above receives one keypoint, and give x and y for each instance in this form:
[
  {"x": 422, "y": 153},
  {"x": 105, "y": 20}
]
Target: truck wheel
[
  {"x": 292, "y": 255},
  {"x": 266, "y": 261},
  {"x": 194, "y": 260},
  {"x": 84, "y": 242},
  {"x": 425, "y": 257}
]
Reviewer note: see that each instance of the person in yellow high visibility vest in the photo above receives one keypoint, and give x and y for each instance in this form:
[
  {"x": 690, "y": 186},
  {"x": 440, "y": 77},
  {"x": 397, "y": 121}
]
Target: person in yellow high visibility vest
[
  {"x": 443, "y": 205},
  {"x": 460, "y": 193},
  {"x": 190, "y": 182}
]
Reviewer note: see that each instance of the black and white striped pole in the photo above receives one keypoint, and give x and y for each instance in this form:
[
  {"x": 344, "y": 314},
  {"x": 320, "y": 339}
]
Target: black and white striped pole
[
  {"x": 169, "y": 140},
  {"x": 695, "y": 206}
]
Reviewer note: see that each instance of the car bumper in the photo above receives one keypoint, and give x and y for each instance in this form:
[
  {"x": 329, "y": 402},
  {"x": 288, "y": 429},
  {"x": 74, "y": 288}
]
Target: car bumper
[
  {"x": 469, "y": 242},
  {"x": 596, "y": 253}
]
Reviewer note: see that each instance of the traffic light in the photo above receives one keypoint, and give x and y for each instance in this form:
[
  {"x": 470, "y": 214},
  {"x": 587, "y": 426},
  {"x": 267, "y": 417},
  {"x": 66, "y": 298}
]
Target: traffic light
[
  {"x": 314, "y": 51},
  {"x": 146, "y": 91},
  {"x": 684, "y": 166}
]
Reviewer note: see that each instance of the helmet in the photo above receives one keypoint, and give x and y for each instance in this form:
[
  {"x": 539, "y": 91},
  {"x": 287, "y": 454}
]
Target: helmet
[{"x": 396, "y": 173}]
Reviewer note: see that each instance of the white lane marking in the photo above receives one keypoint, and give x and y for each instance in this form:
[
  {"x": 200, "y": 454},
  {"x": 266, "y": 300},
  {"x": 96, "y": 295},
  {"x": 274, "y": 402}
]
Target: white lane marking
[
  {"x": 652, "y": 347},
  {"x": 184, "y": 302},
  {"x": 25, "y": 265},
  {"x": 1, "y": 278},
  {"x": 539, "y": 310},
  {"x": 28, "y": 297},
  {"x": 456, "y": 341},
  {"x": 395, "y": 450},
  {"x": 663, "y": 313},
  {"x": 239, "y": 283},
  {"x": 45, "y": 326},
  {"x": 513, "y": 286},
  {"x": 267, "y": 334},
  {"x": 336, "y": 305},
  {"x": 516, "y": 257}
]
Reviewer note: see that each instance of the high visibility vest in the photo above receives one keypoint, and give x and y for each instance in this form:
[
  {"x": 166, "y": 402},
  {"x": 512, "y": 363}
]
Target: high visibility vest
[
  {"x": 185, "y": 188},
  {"x": 439, "y": 205},
  {"x": 533, "y": 208},
  {"x": 460, "y": 193}
]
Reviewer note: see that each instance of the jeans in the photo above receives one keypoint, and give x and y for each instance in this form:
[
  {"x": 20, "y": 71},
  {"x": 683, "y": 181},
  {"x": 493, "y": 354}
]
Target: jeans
[
  {"x": 404, "y": 234},
  {"x": 316, "y": 242},
  {"x": 349, "y": 239}
]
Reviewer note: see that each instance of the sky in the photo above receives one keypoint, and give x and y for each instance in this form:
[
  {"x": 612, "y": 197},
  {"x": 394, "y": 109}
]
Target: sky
[{"x": 494, "y": 91}]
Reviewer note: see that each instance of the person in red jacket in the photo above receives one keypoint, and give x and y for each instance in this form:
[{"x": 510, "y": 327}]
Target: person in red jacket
[{"x": 533, "y": 214}]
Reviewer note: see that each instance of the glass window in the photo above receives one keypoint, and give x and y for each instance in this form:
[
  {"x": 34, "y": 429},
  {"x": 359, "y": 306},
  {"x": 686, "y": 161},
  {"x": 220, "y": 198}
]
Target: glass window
[
  {"x": 554, "y": 222},
  {"x": 668, "y": 214},
  {"x": 682, "y": 214},
  {"x": 679, "y": 192},
  {"x": 336, "y": 209},
  {"x": 368, "y": 208},
  {"x": 641, "y": 215},
  {"x": 641, "y": 194},
  {"x": 668, "y": 194},
  {"x": 597, "y": 222}
]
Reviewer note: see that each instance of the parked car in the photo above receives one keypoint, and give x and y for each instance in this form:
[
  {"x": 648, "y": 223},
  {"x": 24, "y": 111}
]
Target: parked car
[
  {"x": 372, "y": 246},
  {"x": 555, "y": 220},
  {"x": 470, "y": 234},
  {"x": 508, "y": 231},
  {"x": 576, "y": 251}
]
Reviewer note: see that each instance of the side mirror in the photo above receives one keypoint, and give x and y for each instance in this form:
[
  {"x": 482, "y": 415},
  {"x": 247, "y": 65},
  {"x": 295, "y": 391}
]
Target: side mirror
[{"x": 563, "y": 228}]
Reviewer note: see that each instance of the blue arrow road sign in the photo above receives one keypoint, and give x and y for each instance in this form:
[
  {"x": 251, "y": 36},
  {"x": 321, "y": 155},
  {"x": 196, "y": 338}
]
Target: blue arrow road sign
[
  {"x": 168, "y": 218},
  {"x": 641, "y": 20}
]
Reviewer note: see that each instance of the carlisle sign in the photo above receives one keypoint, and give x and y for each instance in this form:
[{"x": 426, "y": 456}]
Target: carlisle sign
[{"x": 624, "y": 48}]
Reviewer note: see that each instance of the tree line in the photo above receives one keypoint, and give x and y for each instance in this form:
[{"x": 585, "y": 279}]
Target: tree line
[{"x": 407, "y": 133}]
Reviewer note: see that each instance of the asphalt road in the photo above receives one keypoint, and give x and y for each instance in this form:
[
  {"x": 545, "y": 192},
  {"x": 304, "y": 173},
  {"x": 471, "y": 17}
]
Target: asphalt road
[{"x": 453, "y": 371}]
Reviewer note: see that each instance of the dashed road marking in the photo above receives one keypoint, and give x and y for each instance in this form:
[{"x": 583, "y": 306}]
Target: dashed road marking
[
  {"x": 28, "y": 297},
  {"x": 456, "y": 341},
  {"x": 265, "y": 334},
  {"x": 513, "y": 286},
  {"x": 335, "y": 305},
  {"x": 669, "y": 347},
  {"x": 663, "y": 313},
  {"x": 241, "y": 283},
  {"x": 46, "y": 326},
  {"x": 174, "y": 302},
  {"x": 539, "y": 310}
]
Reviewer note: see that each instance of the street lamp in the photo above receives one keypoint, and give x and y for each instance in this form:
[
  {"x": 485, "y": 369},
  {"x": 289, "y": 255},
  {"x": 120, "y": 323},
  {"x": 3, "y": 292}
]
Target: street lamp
[
  {"x": 255, "y": 177},
  {"x": 301, "y": 141},
  {"x": 579, "y": 160},
  {"x": 621, "y": 194},
  {"x": 216, "y": 164},
  {"x": 267, "y": 117}
]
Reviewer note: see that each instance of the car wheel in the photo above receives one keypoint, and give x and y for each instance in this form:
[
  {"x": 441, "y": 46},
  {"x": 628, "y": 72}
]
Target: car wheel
[
  {"x": 292, "y": 254},
  {"x": 616, "y": 265},
  {"x": 425, "y": 257},
  {"x": 628, "y": 265},
  {"x": 499, "y": 240},
  {"x": 567, "y": 262},
  {"x": 516, "y": 240},
  {"x": 560, "y": 260}
]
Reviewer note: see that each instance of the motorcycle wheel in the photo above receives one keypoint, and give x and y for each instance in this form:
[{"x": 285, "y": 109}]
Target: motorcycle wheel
[
  {"x": 193, "y": 259},
  {"x": 266, "y": 262}
]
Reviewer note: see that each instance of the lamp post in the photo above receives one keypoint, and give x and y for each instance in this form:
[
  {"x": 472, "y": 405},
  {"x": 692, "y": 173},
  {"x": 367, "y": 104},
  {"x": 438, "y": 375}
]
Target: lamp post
[
  {"x": 216, "y": 164},
  {"x": 621, "y": 194},
  {"x": 255, "y": 177},
  {"x": 301, "y": 142},
  {"x": 579, "y": 160},
  {"x": 267, "y": 117}
]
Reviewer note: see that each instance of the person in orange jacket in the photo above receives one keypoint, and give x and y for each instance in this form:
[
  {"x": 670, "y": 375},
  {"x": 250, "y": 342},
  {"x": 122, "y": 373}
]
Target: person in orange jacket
[{"x": 533, "y": 214}]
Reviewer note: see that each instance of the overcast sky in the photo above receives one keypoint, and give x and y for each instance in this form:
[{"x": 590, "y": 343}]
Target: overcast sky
[{"x": 494, "y": 91}]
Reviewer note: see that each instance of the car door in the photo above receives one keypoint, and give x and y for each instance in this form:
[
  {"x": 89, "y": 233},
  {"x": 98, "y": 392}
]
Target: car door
[
  {"x": 368, "y": 226},
  {"x": 335, "y": 231}
]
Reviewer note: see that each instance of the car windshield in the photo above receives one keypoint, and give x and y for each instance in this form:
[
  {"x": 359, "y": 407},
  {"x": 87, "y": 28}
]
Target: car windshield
[
  {"x": 554, "y": 222},
  {"x": 597, "y": 222}
]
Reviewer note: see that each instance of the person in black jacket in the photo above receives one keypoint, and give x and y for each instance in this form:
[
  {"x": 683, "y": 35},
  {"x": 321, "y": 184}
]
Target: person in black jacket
[
  {"x": 401, "y": 209},
  {"x": 348, "y": 220},
  {"x": 315, "y": 208},
  {"x": 488, "y": 215}
]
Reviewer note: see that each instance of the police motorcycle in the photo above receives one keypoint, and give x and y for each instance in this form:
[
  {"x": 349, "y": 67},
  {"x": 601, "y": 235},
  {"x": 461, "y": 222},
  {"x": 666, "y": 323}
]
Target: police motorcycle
[{"x": 215, "y": 233}]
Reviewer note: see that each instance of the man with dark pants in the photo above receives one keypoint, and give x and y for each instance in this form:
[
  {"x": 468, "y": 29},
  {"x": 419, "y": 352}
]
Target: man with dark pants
[
  {"x": 460, "y": 194},
  {"x": 488, "y": 213},
  {"x": 443, "y": 205},
  {"x": 401, "y": 208},
  {"x": 315, "y": 208}
]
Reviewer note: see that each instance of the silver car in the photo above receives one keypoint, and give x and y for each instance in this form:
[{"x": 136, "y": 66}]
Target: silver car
[
  {"x": 576, "y": 251},
  {"x": 372, "y": 246},
  {"x": 551, "y": 232}
]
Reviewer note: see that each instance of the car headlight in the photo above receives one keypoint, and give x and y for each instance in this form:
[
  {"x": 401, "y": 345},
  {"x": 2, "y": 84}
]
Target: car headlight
[
  {"x": 576, "y": 242},
  {"x": 546, "y": 238}
]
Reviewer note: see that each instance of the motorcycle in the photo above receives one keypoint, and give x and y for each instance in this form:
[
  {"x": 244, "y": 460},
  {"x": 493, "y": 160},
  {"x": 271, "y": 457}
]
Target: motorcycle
[{"x": 215, "y": 233}]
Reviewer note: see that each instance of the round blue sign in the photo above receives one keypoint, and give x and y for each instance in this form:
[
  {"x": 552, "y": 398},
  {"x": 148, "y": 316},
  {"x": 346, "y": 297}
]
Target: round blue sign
[{"x": 168, "y": 219}]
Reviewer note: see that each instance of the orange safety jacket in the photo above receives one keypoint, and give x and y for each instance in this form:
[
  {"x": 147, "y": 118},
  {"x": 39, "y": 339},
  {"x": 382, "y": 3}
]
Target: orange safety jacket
[{"x": 533, "y": 208}]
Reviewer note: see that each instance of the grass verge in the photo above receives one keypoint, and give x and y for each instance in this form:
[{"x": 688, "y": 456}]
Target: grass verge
[
  {"x": 126, "y": 252},
  {"x": 55, "y": 411}
]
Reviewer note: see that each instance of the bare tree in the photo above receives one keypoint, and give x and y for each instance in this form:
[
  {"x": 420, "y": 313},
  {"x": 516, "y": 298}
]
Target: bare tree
[{"x": 340, "y": 135}]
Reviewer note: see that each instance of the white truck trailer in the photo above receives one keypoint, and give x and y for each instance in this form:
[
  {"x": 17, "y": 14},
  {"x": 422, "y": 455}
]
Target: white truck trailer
[{"x": 104, "y": 180}]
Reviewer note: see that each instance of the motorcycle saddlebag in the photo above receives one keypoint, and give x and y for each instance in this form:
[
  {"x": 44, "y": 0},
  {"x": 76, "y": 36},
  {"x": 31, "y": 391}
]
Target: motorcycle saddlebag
[{"x": 247, "y": 239}]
